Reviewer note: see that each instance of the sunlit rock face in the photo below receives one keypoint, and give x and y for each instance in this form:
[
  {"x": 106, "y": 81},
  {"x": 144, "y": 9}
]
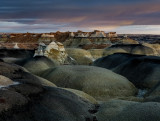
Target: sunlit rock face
[
  {"x": 128, "y": 41},
  {"x": 155, "y": 47},
  {"x": 96, "y": 53},
  {"x": 56, "y": 51}
]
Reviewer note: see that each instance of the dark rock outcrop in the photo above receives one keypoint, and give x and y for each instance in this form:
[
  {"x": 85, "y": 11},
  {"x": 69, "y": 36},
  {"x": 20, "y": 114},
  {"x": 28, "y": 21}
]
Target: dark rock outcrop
[
  {"x": 118, "y": 110},
  {"x": 143, "y": 71},
  {"x": 36, "y": 99}
]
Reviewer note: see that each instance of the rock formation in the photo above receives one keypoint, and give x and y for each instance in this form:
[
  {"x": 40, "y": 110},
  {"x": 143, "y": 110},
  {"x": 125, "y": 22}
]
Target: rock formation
[
  {"x": 81, "y": 56},
  {"x": 130, "y": 48},
  {"x": 100, "y": 83},
  {"x": 118, "y": 110},
  {"x": 143, "y": 71},
  {"x": 36, "y": 99}
]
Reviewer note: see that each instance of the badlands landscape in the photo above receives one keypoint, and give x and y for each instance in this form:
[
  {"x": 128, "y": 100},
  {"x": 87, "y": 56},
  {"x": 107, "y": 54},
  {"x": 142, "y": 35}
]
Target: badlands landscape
[{"x": 79, "y": 76}]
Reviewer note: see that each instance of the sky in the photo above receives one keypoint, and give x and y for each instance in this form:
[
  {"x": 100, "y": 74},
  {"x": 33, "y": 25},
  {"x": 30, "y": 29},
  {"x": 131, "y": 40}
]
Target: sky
[{"x": 122, "y": 16}]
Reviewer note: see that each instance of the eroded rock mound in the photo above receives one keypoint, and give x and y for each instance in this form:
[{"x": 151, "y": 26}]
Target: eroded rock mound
[
  {"x": 56, "y": 51},
  {"x": 143, "y": 71},
  {"x": 114, "y": 60},
  {"x": 130, "y": 48},
  {"x": 21, "y": 75},
  {"x": 96, "y": 53},
  {"x": 97, "y": 82},
  {"x": 83, "y": 57},
  {"x": 38, "y": 64},
  {"x": 34, "y": 99},
  {"x": 31, "y": 103},
  {"x": 155, "y": 47},
  {"x": 118, "y": 110}
]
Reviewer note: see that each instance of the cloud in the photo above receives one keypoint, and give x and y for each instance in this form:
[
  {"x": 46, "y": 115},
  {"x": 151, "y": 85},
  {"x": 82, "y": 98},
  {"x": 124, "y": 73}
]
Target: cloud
[{"x": 75, "y": 14}]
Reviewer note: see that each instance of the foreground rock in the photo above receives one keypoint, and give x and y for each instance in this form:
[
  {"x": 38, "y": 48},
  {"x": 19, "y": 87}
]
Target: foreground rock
[
  {"x": 118, "y": 110},
  {"x": 153, "y": 94},
  {"x": 31, "y": 103},
  {"x": 97, "y": 82},
  {"x": 21, "y": 75},
  {"x": 35, "y": 99},
  {"x": 143, "y": 71}
]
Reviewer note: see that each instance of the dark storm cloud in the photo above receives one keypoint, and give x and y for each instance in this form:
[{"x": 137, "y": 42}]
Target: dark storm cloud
[{"x": 79, "y": 13}]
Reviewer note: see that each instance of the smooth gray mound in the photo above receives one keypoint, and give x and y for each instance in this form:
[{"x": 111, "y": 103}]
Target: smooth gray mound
[
  {"x": 82, "y": 57},
  {"x": 118, "y": 110},
  {"x": 38, "y": 64},
  {"x": 100, "y": 83}
]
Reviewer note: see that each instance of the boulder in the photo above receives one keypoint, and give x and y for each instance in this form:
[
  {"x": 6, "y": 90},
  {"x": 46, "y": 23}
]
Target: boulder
[
  {"x": 100, "y": 83},
  {"x": 118, "y": 110}
]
